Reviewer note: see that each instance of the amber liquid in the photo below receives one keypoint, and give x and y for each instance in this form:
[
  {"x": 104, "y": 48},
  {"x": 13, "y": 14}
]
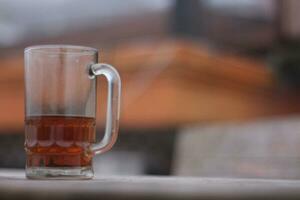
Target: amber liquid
[{"x": 59, "y": 141}]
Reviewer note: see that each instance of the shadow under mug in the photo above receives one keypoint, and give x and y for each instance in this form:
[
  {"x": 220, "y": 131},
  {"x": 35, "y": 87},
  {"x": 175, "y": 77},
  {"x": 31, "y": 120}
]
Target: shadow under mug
[{"x": 60, "y": 111}]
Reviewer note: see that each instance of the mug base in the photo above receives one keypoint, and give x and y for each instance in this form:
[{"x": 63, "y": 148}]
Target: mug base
[{"x": 66, "y": 173}]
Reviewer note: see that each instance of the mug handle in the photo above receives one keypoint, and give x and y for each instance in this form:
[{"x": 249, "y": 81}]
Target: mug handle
[{"x": 113, "y": 105}]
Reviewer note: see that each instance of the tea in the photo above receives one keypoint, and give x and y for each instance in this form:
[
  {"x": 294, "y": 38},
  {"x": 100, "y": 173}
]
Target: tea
[{"x": 59, "y": 141}]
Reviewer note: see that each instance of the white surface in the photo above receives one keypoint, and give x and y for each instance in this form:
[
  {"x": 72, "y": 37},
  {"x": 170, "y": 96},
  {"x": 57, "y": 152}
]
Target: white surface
[{"x": 14, "y": 185}]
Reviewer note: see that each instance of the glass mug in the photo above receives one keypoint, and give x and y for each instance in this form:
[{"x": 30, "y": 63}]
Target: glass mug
[{"x": 60, "y": 111}]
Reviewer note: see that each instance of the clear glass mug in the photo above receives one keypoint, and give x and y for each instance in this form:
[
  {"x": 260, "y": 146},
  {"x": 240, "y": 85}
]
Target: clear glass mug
[{"x": 60, "y": 110}]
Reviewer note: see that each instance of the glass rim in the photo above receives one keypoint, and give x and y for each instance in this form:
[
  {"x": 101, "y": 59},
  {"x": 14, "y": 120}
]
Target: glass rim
[{"x": 56, "y": 49}]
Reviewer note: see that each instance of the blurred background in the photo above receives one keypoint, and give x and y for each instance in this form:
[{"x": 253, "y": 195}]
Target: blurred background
[{"x": 210, "y": 87}]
